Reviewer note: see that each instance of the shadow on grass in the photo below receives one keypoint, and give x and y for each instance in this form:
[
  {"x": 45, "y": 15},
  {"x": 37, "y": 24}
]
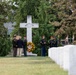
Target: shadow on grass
[
  {"x": 43, "y": 62},
  {"x": 40, "y": 60},
  {"x": 33, "y": 60}
]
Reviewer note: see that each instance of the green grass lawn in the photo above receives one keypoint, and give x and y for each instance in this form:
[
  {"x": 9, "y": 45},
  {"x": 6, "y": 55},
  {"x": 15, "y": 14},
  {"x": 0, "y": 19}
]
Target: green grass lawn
[{"x": 29, "y": 66}]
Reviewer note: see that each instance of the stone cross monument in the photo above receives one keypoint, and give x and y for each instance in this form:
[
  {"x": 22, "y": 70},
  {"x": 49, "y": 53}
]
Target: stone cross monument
[{"x": 29, "y": 25}]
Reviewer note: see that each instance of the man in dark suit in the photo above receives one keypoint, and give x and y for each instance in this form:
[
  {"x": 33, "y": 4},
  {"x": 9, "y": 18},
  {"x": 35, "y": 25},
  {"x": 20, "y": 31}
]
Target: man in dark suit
[
  {"x": 19, "y": 46},
  {"x": 25, "y": 46},
  {"x": 43, "y": 46},
  {"x": 52, "y": 42},
  {"x": 14, "y": 42}
]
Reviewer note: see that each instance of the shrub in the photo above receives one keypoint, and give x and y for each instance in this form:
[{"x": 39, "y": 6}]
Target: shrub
[{"x": 5, "y": 46}]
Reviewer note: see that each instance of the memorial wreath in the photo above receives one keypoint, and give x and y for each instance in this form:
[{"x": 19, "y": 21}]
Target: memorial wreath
[{"x": 30, "y": 46}]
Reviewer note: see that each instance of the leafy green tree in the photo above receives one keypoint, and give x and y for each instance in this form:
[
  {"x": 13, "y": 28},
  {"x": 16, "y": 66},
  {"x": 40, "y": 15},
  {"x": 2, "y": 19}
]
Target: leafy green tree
[
  {"x": 5, "y": 44},
  {"x": 3, "y": 14},
  {"x": 40, "y": 13},
  {"x": 66, "y": 17},
  {"x": 45, "y": 28},
  {"x": 55, "y": 17}
]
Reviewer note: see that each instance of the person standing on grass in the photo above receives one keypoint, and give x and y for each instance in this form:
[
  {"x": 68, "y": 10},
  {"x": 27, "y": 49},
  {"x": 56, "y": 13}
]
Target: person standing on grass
[
  {"x": 25, "y": 46},
  {"x": 14, "y": 42},
  {"x": 43, "y": 46},
  {"x": 52, "y": 42},
  {"x": 19, "y": 46}
]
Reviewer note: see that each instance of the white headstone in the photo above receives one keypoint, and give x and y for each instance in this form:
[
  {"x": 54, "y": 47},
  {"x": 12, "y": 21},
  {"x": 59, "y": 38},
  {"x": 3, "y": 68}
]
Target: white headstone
[
  {"x": 66, "y": 56},
  {"x": 29, "y": 25},
  {"x": 72, "y": 60}
]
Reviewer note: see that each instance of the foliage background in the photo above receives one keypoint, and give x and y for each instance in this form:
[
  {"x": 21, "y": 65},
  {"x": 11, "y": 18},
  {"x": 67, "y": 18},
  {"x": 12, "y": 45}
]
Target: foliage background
[
  {"x": 5, "y": 43},
  {"x": 55, "y": 17}
]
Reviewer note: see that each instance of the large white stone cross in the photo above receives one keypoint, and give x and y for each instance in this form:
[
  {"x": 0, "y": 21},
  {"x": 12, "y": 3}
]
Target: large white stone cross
[{"x": 29, "y": 25}]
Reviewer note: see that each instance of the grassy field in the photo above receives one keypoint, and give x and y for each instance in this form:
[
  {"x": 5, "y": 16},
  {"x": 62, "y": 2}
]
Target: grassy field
[{"x": 29, "y": 66}]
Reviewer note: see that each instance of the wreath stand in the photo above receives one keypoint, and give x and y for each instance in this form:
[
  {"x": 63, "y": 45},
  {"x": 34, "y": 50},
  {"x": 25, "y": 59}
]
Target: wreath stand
[
  {"x": 30, "y": 47},
  {"x": 31, "y": 54}
]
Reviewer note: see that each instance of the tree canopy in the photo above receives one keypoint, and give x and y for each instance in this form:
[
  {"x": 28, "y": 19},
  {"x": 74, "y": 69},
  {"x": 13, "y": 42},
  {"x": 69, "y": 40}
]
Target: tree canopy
[{"x": 55, "y": 17}]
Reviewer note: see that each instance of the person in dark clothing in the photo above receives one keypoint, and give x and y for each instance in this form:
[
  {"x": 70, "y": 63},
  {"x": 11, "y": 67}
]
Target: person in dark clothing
[
  {"x": 52, "y": 42},
  {"x": 25, "y": 46},
  {"x": 56, "y": 42},
  {"x": 14, "y": 42},
  {"x": 19, "y": 46},
  {"x": 43, "y": 46}
]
